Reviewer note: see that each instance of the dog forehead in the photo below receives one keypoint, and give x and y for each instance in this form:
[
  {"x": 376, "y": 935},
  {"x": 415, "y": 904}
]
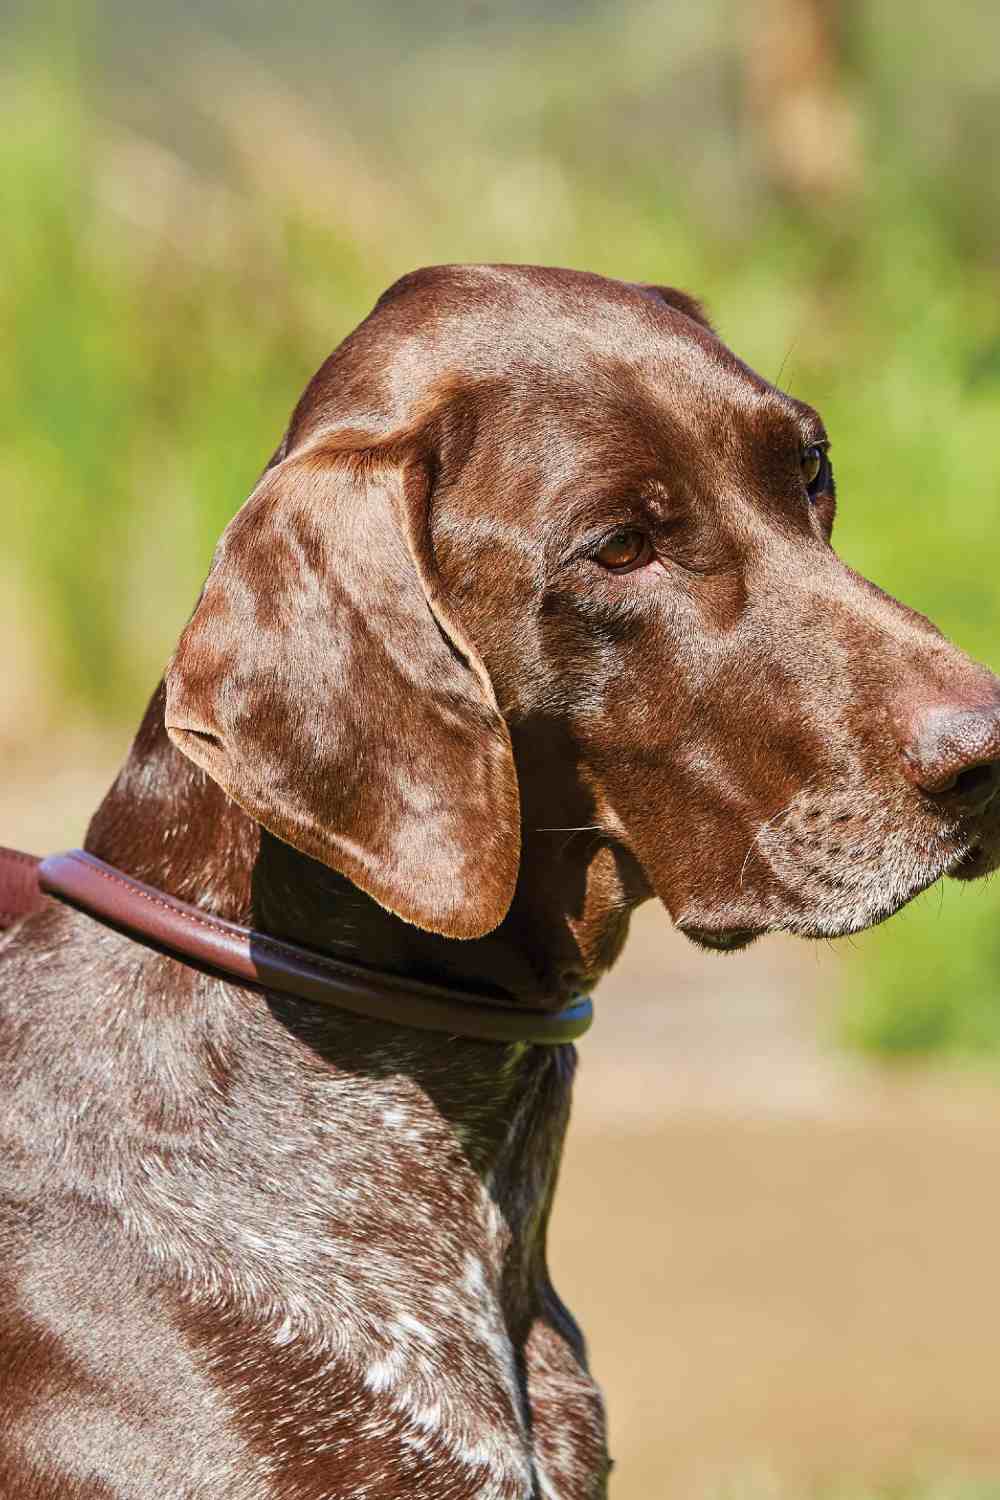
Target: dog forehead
[
  {"x": 501, "y": 314},
  {"x": 557, "y": 331},
  {"x": 669, "y": 412},
  {"x": 572, "y": 348}
]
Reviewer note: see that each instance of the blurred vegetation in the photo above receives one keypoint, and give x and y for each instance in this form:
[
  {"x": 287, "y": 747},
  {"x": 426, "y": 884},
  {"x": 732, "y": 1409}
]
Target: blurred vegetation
[{"x": 199, "y": 203}]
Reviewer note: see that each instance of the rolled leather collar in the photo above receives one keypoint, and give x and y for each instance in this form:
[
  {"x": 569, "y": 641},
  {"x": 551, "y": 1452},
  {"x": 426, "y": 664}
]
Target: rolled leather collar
[{"x": 258, "y": 961}]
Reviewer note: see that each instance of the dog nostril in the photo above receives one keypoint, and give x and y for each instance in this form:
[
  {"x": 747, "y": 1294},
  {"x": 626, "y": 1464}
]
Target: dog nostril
[
  {"x": 954, "y": 753},
  {"x": 975, "y": 779},
  {"x": 974, "y": 788}
]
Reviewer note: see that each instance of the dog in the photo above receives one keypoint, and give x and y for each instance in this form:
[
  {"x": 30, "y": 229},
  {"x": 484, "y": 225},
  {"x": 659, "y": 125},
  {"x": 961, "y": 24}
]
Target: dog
[{"x": 533, "y": 616}]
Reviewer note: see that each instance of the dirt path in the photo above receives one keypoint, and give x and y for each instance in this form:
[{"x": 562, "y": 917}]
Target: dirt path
[{"x": 786, "y": 1266}]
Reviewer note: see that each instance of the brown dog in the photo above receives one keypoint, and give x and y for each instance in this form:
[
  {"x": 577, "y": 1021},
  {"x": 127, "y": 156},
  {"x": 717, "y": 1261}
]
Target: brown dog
[{"x": 537, "y": 554}]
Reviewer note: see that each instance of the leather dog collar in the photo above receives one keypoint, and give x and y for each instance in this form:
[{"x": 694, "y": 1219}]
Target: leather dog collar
[{"x": 259, "y": 961}]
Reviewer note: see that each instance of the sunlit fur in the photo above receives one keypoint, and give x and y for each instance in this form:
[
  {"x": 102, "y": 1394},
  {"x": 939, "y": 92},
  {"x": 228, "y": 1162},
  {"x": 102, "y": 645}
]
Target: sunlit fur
[{"x": 254, "y": 1248}]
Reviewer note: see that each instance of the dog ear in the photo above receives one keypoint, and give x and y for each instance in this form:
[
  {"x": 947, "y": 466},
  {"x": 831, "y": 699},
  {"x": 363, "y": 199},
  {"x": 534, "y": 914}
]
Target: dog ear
[
  {"x": 689, "y": 306},
  {"x": 322, "y": 683}
]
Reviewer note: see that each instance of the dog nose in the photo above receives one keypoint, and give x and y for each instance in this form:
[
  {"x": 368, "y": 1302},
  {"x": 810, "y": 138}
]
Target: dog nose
[{"x": 954, "y": 754}]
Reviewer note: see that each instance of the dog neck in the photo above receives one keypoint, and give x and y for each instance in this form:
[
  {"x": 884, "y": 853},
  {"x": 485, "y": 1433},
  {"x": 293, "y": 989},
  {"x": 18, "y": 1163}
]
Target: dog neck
[
  {"x": 566, "y": 925},
  {"x": 496, "y": 1112}
]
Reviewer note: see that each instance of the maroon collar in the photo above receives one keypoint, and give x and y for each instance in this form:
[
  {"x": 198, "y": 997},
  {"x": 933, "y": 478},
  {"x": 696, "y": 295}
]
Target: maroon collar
[{"x": 258, "y": 961}]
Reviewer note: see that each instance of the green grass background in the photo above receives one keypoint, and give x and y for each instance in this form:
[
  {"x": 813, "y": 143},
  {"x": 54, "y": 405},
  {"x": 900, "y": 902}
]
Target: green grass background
[{"x": 198, "y": 203}]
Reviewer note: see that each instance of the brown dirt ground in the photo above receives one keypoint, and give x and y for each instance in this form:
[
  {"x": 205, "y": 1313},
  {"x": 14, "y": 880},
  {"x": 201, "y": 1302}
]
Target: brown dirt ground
[{"x": 786, "y": 1265}]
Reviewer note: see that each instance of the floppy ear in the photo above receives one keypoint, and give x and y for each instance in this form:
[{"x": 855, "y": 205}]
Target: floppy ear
[
  {"x": 690, "y": 306},
  {"x": 322, "y": 684}
]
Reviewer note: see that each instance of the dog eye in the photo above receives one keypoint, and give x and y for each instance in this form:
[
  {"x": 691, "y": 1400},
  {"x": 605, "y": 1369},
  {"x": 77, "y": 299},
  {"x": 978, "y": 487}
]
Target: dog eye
[
  {"x": 624, "y": 549},
  {"x": 814, "y": 466}
]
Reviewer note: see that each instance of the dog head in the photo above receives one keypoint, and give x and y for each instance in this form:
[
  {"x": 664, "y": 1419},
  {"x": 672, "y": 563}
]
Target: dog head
[{"x": 521, "y": 507}]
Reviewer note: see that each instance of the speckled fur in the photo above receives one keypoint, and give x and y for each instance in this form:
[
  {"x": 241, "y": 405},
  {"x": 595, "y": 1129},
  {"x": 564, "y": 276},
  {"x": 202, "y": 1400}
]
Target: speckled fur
[
  {"x": 341, "y": 1263},
  {"x": 252, "y": 1248}
]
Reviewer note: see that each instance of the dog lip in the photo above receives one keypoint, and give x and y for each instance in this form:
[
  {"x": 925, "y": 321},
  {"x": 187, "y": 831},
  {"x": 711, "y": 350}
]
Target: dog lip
[
  {"x": 720, "y": 939},
  {"x": 966, "y": 866}
]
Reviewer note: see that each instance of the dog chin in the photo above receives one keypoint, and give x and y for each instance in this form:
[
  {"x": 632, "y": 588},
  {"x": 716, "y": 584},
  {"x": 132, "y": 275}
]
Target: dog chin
[{"x": 836, "y": 920}]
